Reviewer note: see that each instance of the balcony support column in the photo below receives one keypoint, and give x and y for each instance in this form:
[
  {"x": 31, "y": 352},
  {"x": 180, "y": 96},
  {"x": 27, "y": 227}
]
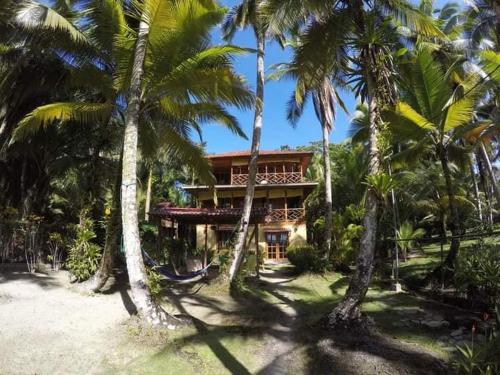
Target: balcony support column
[{"x": 286, "y": 206}]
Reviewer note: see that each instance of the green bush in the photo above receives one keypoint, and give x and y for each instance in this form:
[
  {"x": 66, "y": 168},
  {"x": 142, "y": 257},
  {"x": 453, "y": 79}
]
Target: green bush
[
  {"x": 306, "y": 258},
  {"x": 83, "y": 255},
  {"x": 477, "y": 272},
  {"x": 154, "y": 283}
]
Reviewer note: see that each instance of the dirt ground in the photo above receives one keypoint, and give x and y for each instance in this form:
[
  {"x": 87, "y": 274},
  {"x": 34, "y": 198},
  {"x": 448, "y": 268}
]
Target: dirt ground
[{"x": 46, "y": 327}]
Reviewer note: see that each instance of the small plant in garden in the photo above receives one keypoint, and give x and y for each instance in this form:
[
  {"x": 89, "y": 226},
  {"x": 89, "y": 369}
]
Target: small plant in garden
[
  {"x": 55, "y": 245},
  {"x": 306, "y": 258},
  {"x": 481, "y": 358},
  {"x": 407, "y": 236},
  {"x": 154, "y": 283},
  {"x": 83, "y": 255}
]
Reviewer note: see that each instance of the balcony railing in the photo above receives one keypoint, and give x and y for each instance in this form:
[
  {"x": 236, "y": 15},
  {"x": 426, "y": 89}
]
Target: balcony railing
[
  {"x": 285, "y": 214},
  {"x": 270, "y": 178}
]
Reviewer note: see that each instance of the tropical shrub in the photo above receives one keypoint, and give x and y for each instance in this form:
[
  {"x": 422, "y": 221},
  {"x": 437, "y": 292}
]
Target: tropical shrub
[
  {"x": 477, "y": 272},
  {"x": 345, "y": 239},
  {"x": 481, "y": 358},
  {"x": 83, "y": 255},
  {"x": 407, "y": 236},
  {"x": 306, "y": 258}
]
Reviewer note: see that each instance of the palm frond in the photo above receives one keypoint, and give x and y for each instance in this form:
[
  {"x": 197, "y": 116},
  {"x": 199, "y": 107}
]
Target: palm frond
[
  {"x": 45, "y": 115},
  {"x": 34, "y": 16}
]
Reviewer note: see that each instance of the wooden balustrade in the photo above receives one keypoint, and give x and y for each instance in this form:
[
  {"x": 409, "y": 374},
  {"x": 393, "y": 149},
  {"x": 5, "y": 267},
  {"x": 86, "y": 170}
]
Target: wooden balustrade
[
  {"x": 282, "y": 214},
  {"x": 270, "y": 178}
]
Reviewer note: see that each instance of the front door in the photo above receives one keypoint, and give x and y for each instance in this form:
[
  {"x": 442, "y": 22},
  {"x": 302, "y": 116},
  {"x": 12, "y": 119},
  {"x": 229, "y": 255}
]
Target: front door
[{"x": 276, "y": 245}]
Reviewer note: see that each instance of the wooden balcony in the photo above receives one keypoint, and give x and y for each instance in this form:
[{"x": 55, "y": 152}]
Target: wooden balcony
[
  {"x": 285, "y": 215},
  {"x": 269, "y": 178}
]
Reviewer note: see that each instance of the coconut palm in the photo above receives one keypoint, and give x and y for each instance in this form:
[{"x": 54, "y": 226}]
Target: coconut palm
[
  {"x": 325, "y": 100},
  {"x": 169, "y": 75},
  {"x": 248, "y": 14}
]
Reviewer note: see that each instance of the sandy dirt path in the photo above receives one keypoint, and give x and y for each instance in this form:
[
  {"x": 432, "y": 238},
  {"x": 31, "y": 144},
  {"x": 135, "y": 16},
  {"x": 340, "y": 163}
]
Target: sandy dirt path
[{"x": 47, "y": 328}]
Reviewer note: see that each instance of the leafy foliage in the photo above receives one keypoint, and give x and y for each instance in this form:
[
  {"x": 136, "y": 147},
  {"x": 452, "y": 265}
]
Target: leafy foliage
[
  {"x": 83, "y": 253},
  {"x": 477, "y": 272},
  {"x": 306, "y": 258}
]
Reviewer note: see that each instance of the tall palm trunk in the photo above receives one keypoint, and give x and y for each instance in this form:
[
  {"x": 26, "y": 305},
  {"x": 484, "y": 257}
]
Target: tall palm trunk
[
  {"x": 147, "y": 308},
  {"x": 452, "y": 204},
  {"x": 148, "y": 194},
  {"x": 328, "y": 189},
  {"x": 324, "y": 106},
  {"x": 348, "y": 310},
  {"x": 98, "y": 280},
  {"x": 477, "y": 197},
  {"x": 239, "y": 250},
  {"x": 489, "y": 171}
]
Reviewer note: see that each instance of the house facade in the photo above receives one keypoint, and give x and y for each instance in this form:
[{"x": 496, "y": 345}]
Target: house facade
[{"x": 280, "y": 191}]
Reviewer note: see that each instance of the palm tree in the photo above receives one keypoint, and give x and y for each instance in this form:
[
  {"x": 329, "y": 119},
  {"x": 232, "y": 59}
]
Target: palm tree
[
  {"x": 175, "y": 80},
  {"x": 325, "y": 99},
  {"x": 248, "y": 14},
  {"x": 369, "y": 33},
  {"x": 436, "y": 108}
]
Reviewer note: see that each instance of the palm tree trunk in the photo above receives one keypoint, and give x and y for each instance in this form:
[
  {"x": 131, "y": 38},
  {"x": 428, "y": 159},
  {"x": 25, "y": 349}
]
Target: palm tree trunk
[
  {"x": 489, "y": 170},
  {"x": 485, "y": 187},
  {"x": 455, "y": 218},
  {"x": 239, "y": 250},
  {"x": 348, "y": 311},
  {"x": 477, "y": 197},
  {"x": 328, "y": 190},
  {"x": 147, "y": 308},
  {"x": 98, "y": 280},
  {"x": 148, "y": 195}
]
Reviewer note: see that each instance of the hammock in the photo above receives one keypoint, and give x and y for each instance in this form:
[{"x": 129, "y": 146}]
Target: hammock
[{"x": 163, "y": 270}]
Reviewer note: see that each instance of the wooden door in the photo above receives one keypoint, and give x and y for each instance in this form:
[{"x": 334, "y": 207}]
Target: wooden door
[{"x": 277, "y": 243}]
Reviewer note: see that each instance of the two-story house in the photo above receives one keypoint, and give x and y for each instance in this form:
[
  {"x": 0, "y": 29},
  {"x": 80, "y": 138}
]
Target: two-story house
[{"x": 280, "y": 192}]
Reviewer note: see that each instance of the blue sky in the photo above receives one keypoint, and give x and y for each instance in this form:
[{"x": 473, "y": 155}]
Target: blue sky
[{"x": 276, "y": 130}]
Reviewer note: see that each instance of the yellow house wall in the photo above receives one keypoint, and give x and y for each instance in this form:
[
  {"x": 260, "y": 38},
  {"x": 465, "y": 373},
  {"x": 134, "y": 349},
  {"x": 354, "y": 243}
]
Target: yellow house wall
[
  {"x": 211, "y": 238},
  {"x": 297, "y": 236}
]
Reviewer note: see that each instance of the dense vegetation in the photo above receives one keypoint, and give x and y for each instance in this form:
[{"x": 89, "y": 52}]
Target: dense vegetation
[{"x": 100, "y": 100}]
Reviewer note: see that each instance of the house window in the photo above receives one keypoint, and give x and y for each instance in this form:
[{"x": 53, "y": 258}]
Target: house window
[{"x": 277, "y": 243}]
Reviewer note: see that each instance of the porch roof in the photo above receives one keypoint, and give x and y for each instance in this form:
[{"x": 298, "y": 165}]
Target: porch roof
[{"x": 207, "y": 215}]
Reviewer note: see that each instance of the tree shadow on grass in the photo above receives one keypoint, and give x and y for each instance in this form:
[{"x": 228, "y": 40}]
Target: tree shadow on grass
[{"x": 256, "y": 314}]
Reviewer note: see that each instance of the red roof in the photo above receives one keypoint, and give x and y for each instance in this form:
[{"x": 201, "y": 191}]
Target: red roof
[{"x": 207, "y": 215}]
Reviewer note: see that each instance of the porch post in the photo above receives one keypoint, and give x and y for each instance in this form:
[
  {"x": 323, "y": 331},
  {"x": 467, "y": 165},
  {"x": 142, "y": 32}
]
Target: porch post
[
  {"x": 257, "y": 250},
  {"x": 286, "y": 206},
  {"x": 206, "y": 246}
]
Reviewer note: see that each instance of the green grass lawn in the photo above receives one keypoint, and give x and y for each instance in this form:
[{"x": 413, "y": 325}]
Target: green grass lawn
[
  {"x": 414, "y": 270},
  {"x": 238, "y": 343}
]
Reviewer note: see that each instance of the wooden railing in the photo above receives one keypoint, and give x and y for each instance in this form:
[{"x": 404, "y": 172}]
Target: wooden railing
[
  {"x": 270, "y": 178},
  {"x": 285, "y": 214}
]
